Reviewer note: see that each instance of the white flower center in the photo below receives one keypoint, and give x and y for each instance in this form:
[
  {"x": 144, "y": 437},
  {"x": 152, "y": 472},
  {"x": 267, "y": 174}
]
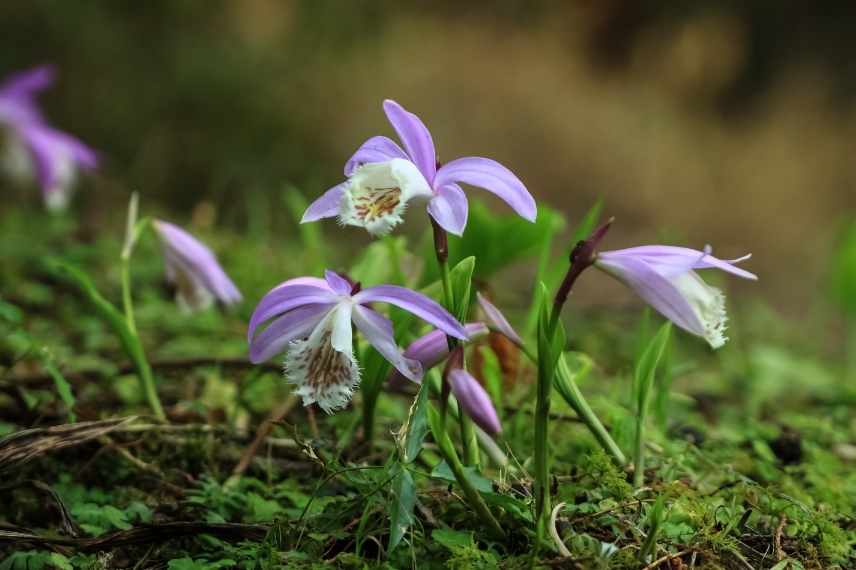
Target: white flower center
[
  {"x": 708, "y": 303},
  {"x": 378, "y": 193},
  {"x": 190, "y": 294},
  {"x": 323, "y": 366}
]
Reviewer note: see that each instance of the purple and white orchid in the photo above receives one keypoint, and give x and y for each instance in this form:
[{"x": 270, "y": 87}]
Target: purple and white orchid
[
  {"x": 33, "y": 144},
  {"x": 194, "y": 270},
  {"x": 383, "y": 178},
  {"x": 312, "y": 322},
  {"x": 665, "y": 277}
]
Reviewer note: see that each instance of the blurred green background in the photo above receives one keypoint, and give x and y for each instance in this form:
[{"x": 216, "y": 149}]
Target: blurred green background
[{"x": 727, "y": 123}]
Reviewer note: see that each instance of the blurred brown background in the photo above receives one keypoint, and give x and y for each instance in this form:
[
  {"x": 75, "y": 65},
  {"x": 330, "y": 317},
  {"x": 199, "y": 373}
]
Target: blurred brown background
[{"x": 698, "y": 122}]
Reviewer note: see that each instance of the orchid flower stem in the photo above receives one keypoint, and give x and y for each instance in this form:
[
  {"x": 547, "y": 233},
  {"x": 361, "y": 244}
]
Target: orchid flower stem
[
  {"x": 134, "y": 345},
  {"x": 127, "y": 302},
  {"x": 639, "y": 446},
  {"x": 473, "y": 498},
  {"x": 582, "y": 257},
  {"x": 542, "y": 452},
  {"x": 571, "y": 394},
  {"x": 469, "y": 441},
  {"x": 485, "y": 440}
]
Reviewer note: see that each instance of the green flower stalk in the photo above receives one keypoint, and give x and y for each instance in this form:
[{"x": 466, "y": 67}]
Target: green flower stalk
[{"x": 551, "y": 341}]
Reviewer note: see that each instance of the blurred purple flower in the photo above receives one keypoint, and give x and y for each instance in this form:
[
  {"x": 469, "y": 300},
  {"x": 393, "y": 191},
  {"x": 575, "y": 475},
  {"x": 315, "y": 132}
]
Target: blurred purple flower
[
  {"x": 432, "y": 348},
  {"x": 664, "y": 277},
  {"x": 474, "y": 400},
  {"x": 194, "y": 270},
  {"x": 383, "y": 178},
  {"x": 33, "y": 144},
  {"x": 313, "y": 325}
]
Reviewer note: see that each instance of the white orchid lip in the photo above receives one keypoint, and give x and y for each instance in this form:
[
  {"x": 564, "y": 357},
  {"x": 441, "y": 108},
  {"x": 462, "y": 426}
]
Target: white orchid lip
[
  {"x": 377, "y": 194},
  {"x": 323, "y": 366},
  {"x": 708, "y": 304}
]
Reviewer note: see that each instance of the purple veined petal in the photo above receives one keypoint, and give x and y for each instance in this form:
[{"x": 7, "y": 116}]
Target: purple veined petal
[
  {"x": 293, "y": 325},
  {"x": 449, "y": 207},
  {"x": 655, "y": 289},
  {"x": 493, "y": 177},
  {"x": 56, "y": 155},
  {"x": 376, "y": 149},
  {"x": 682, "y": 258},
  {"x": 327, "y": 206},
  {"x": 415, "y": 137},
  {"x": 337, "y": 283},
  {"x": 285, "y": 298},
  {"x": 474, "y": 400},
  {"x": 432, "y": 348},
  {"x": 416, "y": 303},
  {"x": 26, "y": 83},
  {"x": 17, "y": 95},
  {"x": 199, "y": 284},
  {"x": 378, "y": 331},
  {"x": 498, "y": 320},
  {"x": 311, "y": 281}
]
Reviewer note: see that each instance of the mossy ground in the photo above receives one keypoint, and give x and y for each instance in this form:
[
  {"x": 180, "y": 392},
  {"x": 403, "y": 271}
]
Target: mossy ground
[{"x": 752, "y": 450}]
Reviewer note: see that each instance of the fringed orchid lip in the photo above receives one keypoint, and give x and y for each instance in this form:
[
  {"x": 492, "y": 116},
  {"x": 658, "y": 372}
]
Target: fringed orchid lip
[
  {"x": 383, "y": 178},
  {"x": 665, "y": 278},
  {"x": 194, "y": 270},
  {"x": 54, "y": 156},
  {"x": 312, "y": 320}
]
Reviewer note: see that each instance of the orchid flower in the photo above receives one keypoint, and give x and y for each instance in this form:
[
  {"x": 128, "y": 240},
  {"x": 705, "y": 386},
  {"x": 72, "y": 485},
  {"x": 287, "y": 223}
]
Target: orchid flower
[
  {"x": 312, "y": 320},
  {"x": 665, "y": 277},
  {"x": 194, "y": 270},
  {"x": 55, "y": 155},
  {"x": 383, "y": 178}
]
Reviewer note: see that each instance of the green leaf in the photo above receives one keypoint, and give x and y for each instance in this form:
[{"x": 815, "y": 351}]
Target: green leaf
[
  {"x": 646, "y": 367},
  {"x": 261, "y": 509},
  {"x": 578, "y": 366},
  {"x": 416, "y": 427},
  {"x": 476, "y": 479},
  {"x": 62, "y": 386},
  {"x": 653, "y": 523},
  {"x": 402, "y": 501},
  {"x": 549, "y": 347},
  {"x": 461, "y": 277},
  {"x": 453, "y": 539}
]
